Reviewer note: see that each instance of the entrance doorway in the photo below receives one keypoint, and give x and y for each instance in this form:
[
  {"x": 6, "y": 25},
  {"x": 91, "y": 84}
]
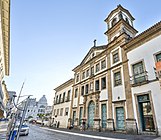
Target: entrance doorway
[
  {"x": 91, "y": 112},
  {"x": 146, "y": 114},
  {"x": 104, "y": 116},
  {"x": 120, "y": 118}
]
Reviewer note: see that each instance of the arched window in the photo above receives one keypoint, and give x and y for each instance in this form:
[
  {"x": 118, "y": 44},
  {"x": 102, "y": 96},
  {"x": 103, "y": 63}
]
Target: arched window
[
  {"x": 127, "y": 20},
  {"x": 120, "y": 15},
  {"x": 114, "y": 21}
]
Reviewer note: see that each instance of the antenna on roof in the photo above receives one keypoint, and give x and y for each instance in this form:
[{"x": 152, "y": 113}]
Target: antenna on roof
[{"x": 95, "y": 42}]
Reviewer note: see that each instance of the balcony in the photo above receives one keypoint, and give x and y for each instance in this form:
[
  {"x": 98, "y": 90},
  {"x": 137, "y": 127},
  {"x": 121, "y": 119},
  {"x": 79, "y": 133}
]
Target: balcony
[{"x": 139, "y": 79}]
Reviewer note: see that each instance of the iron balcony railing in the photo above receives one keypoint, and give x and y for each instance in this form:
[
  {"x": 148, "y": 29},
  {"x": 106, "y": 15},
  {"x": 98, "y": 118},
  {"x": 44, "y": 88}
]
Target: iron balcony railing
[{"x": 139, "y": 78}]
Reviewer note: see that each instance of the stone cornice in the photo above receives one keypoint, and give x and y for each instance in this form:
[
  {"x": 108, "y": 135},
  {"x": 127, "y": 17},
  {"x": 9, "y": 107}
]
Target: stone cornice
[{"x": 67, "y": 83}]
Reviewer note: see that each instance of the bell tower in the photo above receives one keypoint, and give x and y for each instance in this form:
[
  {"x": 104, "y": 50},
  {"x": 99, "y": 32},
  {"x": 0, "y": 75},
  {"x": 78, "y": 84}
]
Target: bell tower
[{"x": 119, "y": 21}]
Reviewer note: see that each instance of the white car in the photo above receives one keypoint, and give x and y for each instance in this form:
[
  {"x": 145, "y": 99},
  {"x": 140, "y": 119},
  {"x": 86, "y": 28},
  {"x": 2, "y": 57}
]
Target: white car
[{"x": 24, "y": 129}]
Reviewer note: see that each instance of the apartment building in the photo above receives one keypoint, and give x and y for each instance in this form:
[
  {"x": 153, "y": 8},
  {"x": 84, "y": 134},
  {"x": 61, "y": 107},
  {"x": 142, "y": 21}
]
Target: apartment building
[
  {"x": 4, "y": 50},
  {"x": 62, "y": 104}
]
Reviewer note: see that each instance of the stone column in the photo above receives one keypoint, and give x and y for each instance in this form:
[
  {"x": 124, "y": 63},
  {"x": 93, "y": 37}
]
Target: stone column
[
  {"x": 96, "y": 118},
  {"x": 110, "y": 120},
  {"x": 131, "y": 126}
]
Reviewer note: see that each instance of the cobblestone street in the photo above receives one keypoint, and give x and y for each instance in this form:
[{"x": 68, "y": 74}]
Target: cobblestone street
[{"x": 43, "y": 133}]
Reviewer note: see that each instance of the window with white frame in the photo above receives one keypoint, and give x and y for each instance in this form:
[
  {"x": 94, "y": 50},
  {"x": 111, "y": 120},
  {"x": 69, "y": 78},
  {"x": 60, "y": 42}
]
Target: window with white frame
[
  {"x": 96, "y": 85},
  {"x": 87, "y": 73},
  {"x": 115, "y": 55},
  {"x": 117, "y": 78},
  {"x": 103, "y": 83},
  {"x": 61, "y": 112},
  {"x": 76, "y": 92},
  {"x": 103, "y": 64},
  {"x": 83, "y": 75},
  {"x": 82, "y": 90},
  {"x": 92, "y": 71},
  {"x": 57, "y": 112},
  {"x": 139, "y": 74},
  {"x": 87, "y": 89},
  {"x": 77, "y": 77},
  {"x": 97, "y": 67},
  {"x": 66, "y": 111}
]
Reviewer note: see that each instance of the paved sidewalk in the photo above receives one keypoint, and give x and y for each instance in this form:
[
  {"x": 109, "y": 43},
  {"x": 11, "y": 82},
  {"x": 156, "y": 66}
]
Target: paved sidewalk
[
  {"x": 3, "y": 129},
  {"x": 114, "y": 135}
]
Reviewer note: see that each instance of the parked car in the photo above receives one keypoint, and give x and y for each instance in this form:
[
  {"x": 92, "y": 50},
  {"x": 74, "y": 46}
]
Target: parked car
[{"x": 24, "y": 129}]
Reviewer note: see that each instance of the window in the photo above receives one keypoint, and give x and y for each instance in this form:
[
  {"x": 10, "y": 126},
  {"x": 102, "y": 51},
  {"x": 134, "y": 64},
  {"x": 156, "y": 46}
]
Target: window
[
  {"x": 66, "y": 111},
  {"x": 158, "y": 57},
  {"x": 103, "y": 64},
  {"x": 59, "y": 98},
  {"x": 87, "y": 89},
  {"x": 61, "y": 112},
  {"x": 82, "y": 91},
  {"x": 103, "y": 83},
  {"x": 117, "y": 78},
  {"x": 83, "y": 75},
  {"x": 139, "y": 73},
  {"x": 57, "y": 112},
  {"x": 68, "y": 96},
  {"x": 77, "y": 77},
  {"x": 97, "y": 67},
  {"x": 87, "y": 73},
  {"x": 76, "y": 92},
  {"x": 97, "y": 85},
  {"x": 120, "y": 15},
  {"x": 63, "y": 97},
  {"x": 127, "y": 21},
  {"x": 115, "y": 56},
  {"x": 114, "y": 21},
  {"x": 91, "y": 86},
  {"x": 92, "y": 71},
  {"x": 54, "y": 111}
]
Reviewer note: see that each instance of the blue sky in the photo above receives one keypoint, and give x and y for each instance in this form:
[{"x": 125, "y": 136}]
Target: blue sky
[{"x": 51, "y": 37}]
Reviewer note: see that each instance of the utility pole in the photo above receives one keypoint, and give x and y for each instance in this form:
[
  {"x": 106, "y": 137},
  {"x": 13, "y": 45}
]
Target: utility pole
[{"x": 22, "y": 118}]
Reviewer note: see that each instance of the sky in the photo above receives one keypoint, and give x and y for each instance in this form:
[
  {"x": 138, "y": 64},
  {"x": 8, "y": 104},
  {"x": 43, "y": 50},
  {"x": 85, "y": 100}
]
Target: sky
[{"x": 51, "y": 37}]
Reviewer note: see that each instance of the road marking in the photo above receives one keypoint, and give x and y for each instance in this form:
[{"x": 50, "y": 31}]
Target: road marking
[{"x": 82, "y": 135}]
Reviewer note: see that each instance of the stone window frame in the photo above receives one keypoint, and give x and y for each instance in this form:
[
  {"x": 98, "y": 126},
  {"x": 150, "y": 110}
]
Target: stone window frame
[
  {"x": 105, "y": 82},
  {"x": 103, "y": 66},
  {"x": 57, "y": 112},
  {"x": 83, "y": 75},
  {"x": 66, "y": 111},
  {"x": 87, "y": 73},
  {"x": 77, "y": 77},
  {"x": 82, "y": 90},
  {"x": 137, "y": 109},
  {"x": 61, "y": 111},
  {"x": 114, "y": 72},
  {"x": 114, "y": 53},
  {"x": 76, "y": 93},
  {"x": 97, "y": 80},
  {"x": 155, "y": 59},
  {"x": 138, "y": 61},
  {"x": 97, "y": 68}
]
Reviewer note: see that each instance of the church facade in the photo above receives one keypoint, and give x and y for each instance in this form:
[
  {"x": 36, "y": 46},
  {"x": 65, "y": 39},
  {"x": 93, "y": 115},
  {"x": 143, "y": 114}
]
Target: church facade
[{"x": 117, "y": 86}]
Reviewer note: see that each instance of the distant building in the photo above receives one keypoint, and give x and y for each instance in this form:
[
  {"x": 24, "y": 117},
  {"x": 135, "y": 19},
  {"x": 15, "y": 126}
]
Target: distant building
[
  {"x": 62, "y": 104},
  {"x": 36, "y": 109}
]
